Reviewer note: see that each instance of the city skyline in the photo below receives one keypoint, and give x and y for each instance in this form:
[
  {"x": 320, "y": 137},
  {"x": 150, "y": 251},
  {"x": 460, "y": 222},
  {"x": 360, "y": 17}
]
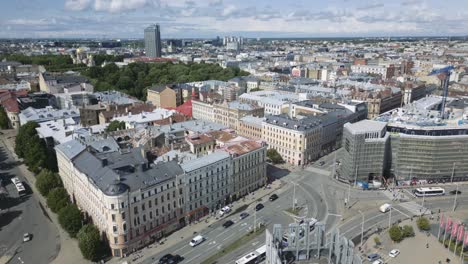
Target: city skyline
[{"x": 206, "y": 19}]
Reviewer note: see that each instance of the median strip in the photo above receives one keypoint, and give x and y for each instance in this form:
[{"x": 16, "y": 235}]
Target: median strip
[{"x": 233, "y": 246}]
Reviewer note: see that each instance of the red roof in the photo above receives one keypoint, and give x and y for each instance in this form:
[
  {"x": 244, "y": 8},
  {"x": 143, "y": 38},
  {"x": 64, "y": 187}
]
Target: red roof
[
  {"x": 185, "y": 108},
  {"x": 8, "y": 100}
]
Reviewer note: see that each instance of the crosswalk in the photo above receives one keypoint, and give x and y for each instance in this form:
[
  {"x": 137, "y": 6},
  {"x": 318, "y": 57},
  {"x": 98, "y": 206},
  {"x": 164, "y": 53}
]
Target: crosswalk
[{"x": 415, "y": 208}]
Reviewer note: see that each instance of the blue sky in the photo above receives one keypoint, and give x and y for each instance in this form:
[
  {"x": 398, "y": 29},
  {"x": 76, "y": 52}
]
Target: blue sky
[{"x": 249, "y": 18}]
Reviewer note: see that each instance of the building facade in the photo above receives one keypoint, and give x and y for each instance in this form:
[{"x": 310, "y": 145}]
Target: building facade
[
  {"x": 298, "y": 141},
  {"x": 364, "y": 153},
  {"x": 202, "y": 111}
]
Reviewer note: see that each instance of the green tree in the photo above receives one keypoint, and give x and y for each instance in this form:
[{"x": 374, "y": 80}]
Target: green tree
[
  {"x": 407, "y": 231},
  {"x": 395, "y": 233},
  {"x": 70, "y": 219},
  {"x": 274, "y": 156},
  {"x": 115, "y": 125},
  {"x": 89, "y": 242},
  {"x": 47, "y": 180},
  {"x": 25, "y": 134},
  {"x": 4, "y": 123},
  {"x": 57, "y": 199},
  {"x": 423, "y": 224},
  {"x": 36, "y": 154}
]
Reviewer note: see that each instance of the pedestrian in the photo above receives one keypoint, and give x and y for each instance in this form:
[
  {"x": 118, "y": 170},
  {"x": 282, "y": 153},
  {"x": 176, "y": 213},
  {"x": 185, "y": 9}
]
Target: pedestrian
[{"x": 427, "y": 245}]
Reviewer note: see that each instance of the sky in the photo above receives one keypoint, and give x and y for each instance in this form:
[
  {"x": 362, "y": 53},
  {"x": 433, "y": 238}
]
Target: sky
[{"x": 248, "y": 18}]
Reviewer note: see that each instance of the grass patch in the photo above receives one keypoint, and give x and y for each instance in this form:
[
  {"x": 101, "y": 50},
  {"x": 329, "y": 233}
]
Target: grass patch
[
  {"x": 295, "y": 211},
  {"x": 233, "y": 246}
]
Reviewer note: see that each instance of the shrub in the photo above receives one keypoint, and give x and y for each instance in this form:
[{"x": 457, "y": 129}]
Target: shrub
[
  {"x": 407, "y": 231},
  {"x": 46, "y": 181},
  {"x": 423, "y": 224},
  {"x": 395, "y": 233}
]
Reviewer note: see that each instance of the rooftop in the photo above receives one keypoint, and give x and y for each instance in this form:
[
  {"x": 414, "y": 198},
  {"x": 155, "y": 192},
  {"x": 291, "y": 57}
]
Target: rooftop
[{"x": 365, "y": 126}]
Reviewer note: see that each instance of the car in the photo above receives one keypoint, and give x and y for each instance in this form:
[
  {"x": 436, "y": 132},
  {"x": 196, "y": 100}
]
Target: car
[
  {"x": 243, "y": 215},
  {"x": 453, "y": 192},
  {"x": 259, "y": 207},
  {"x": 196, "y": 241},
  {"x": 175, "y": 259},
  {"x": 273, "y": 197},
  {"x": 393, "y": 253},
  {"x": 226, "y": 209},
  {"x": 228, "y": 223},
  {"x": 165, "y": 259},
  {"x": 26, "y": 237},
  {"x": 321, "y": 163},
  {"x": 373, "y": 257},
  {"x": 379, "y": 261}
]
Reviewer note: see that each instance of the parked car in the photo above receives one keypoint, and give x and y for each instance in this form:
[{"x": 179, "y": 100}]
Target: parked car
[
  {"x": 379, "y": 261},
  {"x": 26, "y": 237},
  {"x": 259, "y": 207},
  {"x": 226, "y": 209},
  {"x": 273, "y": 197},
  {"x": 228, "y": 223},
  {"x": 321, "y": 163},
  {"x": 373, "y": 257},
  {"x": 393, "y": 253},
  {"x": 243, "y": 215}
]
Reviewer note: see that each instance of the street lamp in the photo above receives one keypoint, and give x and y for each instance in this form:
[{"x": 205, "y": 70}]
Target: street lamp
[
  {"x": 362, "y": 227},
  {"x": 294, "y": 196},
  {"x": 453, "y": 173},
  {"x": 455, "y": 201}
]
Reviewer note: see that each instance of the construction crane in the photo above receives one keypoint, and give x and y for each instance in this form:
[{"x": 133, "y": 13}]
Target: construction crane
[{"x": 444, "y": 76}]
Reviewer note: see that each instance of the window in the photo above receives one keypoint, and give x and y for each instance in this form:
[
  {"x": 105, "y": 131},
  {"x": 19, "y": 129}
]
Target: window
[
  {"x": 114, "y": 229},
  {"x": 149, "y": 204},
  {"x": 156, "y": 201},
  {"x": 135, "y": 210},
  {"x": 122, "y": 205},
  {"x": 143, "y": 207},
  {"x": 144, "y": 218},
  {"x": 113, "y": 217},
  {"x": 157, "y": 212},
  {"x": 116, "y": 240},
  {"x": 125, "y": 238},
  {"x": 123, "y": 215},
  {"x": 124, "y": 227},
  {"x": 151, "y": 215},
  {"x": 112, "y": 206}
]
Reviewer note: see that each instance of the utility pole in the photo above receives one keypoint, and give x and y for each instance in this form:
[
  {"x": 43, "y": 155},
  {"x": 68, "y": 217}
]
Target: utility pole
[
  {"x": 390, "y": 218},
  {"x": 294, "y": 196},
  {"x": 455, "y": 201},
  {"x": 453, "y": 173},
  {"x": 362, "y": 227},
  {"x": 255, "y": 217}
]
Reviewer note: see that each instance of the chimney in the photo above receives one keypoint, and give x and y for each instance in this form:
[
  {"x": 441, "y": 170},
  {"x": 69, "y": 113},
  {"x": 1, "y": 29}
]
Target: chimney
[{"x": 104, "y": 162}]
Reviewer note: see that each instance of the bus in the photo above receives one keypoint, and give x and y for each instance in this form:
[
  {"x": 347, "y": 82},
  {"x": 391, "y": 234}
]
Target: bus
[
  {"x": 254, "y": 257},
  {"x": 19, "y": 186},
  {"x": 431, "y": 191}
]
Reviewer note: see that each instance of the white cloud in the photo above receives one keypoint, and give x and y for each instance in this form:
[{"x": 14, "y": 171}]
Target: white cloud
[{"x": 77, "y": 5}]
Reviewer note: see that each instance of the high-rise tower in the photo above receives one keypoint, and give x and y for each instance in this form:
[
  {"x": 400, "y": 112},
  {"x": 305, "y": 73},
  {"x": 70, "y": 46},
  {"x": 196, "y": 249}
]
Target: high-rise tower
[{"x": 153, "y": 41}]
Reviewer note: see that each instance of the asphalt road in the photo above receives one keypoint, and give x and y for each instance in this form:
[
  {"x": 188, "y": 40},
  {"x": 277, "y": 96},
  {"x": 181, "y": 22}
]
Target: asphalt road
[{"x": 19, "y": 216}]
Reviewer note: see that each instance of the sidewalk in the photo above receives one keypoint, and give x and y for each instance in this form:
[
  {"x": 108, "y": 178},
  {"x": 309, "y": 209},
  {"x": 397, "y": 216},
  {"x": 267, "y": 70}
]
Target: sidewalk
[
  {"x": 413, "y": 249},
  {"x": 200, "y": 225},
  {"x": 68, "y": 247}
]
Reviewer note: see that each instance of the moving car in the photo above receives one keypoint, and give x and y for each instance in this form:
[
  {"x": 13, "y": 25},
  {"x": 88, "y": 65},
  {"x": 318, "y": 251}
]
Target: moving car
[
  {"x": 170, "y": 259},
  {"x": 228, "y": 223},
  {"x": 176, "y": 259},
  {"x": 385, "y": 208},
  {"x": 259, "y": 207},
  {"x": 273, "y": 197},
  {"x": 196, "y": 241},
  {"x": 26, "y": 237},
  {"x": 393, "y": 253},
  {"x": 243, "y": 215},
  {"x": 455, "y": 192}
]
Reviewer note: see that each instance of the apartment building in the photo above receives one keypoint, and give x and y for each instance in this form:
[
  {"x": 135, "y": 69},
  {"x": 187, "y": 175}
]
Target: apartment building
[
  {"x": 207, "y": 183},
  {"x": 130, "y": 202},
  {"x": 164, "y": 96},
  {"x": 202, "y": 110},
  {"x": 248, "y": 167},
  {"x": 298, "y": 141},
  {"x": 229, "y": 113},
  {"x": 250, "y": 127}
]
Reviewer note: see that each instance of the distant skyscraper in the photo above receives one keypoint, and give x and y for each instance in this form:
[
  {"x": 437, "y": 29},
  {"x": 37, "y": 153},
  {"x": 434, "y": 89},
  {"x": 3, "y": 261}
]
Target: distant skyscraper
[{"x": 153, "y": 41}]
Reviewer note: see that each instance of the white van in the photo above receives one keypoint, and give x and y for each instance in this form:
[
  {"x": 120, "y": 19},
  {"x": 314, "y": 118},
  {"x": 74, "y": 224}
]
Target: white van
[
  {"x": 385, "y": 208},
  {"x": 196, "y": 240}
]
